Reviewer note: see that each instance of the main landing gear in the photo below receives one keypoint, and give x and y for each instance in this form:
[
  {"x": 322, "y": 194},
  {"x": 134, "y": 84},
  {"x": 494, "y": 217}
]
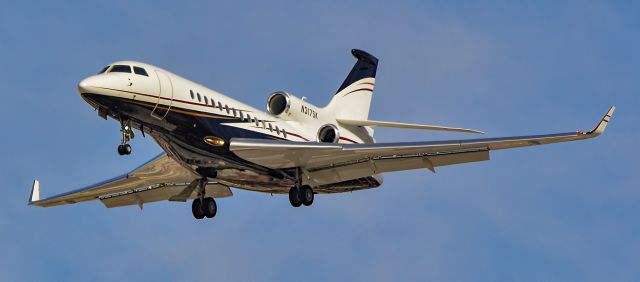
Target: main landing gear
[
  {"x": 127, "y": 134},
  {"x": 301, "y": 196},
  {"x": 203, "y": 207}
]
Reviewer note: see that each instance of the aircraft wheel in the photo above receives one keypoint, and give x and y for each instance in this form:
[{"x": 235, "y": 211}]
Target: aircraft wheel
[
  {"x": 124, "y": 149},
  {"x": 196, "y": 209},
  {"x": 306, "y": 195},
  {"x": 127, "y": 149},
  {"x": 209, "y": 207},
  {"x": 294, "y": 197}
]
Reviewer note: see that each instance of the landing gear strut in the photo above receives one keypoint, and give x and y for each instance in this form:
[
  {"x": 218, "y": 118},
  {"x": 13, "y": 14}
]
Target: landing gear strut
[
  {"x": 127, "y": 134},
  {"x": 203, "y": 207}
]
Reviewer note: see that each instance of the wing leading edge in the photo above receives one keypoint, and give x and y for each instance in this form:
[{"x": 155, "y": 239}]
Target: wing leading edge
[{"x": 337, "y": 162}]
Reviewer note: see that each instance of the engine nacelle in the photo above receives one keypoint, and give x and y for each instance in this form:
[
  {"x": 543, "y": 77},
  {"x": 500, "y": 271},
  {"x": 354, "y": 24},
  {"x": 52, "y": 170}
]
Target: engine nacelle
[
  {"x": 328, "y": 133},
  {"x": 289, "y": 107}
]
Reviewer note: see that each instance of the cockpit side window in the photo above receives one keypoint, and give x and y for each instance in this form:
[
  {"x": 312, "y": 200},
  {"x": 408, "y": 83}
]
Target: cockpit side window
[
  {"x": 104, "y": 69},
  {"x": 121, "y": 68},
  {"x": 140, "y": 71}
]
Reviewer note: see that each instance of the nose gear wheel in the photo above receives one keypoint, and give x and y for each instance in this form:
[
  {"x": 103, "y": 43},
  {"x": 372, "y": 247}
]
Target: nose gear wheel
[{"x": 127, "y": 134}]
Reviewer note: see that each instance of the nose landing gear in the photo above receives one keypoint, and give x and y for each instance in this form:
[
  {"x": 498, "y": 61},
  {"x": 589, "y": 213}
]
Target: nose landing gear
[
  {"x": 127, "y": 134},
  {"x": 124, "y": 149}
]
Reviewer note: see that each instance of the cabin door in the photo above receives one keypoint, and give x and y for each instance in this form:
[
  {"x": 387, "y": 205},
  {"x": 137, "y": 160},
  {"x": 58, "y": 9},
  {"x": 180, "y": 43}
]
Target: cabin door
[{"x": 165, "y": 96}]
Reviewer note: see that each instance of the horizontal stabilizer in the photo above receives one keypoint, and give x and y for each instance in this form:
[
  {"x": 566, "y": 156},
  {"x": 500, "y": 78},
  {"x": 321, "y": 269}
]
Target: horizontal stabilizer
[{"x": 405, "y": 125}]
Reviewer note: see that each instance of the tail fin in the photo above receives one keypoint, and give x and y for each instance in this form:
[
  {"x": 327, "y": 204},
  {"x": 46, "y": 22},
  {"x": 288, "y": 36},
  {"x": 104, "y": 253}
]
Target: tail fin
[{"x": 353, "y": 98}]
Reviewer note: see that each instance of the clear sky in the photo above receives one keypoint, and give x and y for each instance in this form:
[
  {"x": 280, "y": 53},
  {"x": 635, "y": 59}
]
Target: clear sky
[{"x": 564, "y": 212}]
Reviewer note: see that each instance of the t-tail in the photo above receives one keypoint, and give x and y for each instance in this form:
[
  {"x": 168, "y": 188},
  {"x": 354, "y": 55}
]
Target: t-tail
[{"x": 353, "y": 99}]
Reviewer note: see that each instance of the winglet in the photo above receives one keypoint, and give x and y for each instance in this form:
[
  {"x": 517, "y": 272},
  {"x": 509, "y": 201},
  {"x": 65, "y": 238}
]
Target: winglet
[
  {"x": 35, "y": 192},
  {"x": 602, "y": 125}
]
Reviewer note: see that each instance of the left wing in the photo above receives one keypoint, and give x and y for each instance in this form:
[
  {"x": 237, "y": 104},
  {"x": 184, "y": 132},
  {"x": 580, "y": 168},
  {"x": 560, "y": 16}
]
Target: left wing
[
  {"x": 329, "y": 163},
  {"x": 159, "y": 179}
]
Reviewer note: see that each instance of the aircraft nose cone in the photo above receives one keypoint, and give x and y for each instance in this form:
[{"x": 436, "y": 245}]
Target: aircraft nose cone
[
  {"x": 83, "y": 85},
  {"x": 86, "y": 84}
]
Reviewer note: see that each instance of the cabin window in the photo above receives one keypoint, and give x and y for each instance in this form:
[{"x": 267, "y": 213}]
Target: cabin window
[
  {"x": 213, "y": 104},
  {"x": 284, "y": 133},
  {"x": 220, "y": 105},
  {"x": 257, "y": 122},
  {"x": 277, "y": 130},
  {"x": 206, "y": 100},
  {"x": 270, "y": 127},
  {"x": 140, "y": 71},
  {"x": 226, "y": 107},
  {"x": 264, "y": 125},
  {"x": 192, "y": 95},
  {"x": 241, "y": 115},
  {"x": 120, "y": 68},
  {"x": 199, "y": 97},
  {"x": 234, "y": 112}
]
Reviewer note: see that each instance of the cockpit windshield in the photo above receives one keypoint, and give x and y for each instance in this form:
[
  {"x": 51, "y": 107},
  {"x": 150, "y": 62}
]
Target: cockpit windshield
[
  {"x": 140, "y": 71},
  {"x": 125, "y": 69},
  {"x": 121, "y": 68},
  {"x": 104, "y": 69}
]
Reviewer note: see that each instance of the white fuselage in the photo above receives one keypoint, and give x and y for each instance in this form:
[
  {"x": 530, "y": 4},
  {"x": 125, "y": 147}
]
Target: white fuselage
[
  {"x": 174, "y": 92},
  {"x": 182, "y": 116}
]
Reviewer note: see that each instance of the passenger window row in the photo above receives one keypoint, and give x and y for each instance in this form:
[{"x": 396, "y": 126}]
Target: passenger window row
[{"x": 236, "y": 113}]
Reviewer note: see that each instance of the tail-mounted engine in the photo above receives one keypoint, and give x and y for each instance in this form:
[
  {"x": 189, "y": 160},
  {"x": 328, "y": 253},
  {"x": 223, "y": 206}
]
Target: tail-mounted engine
[
  {"x": 328, "y": 133},
  {"x": 289, "y": 107}
]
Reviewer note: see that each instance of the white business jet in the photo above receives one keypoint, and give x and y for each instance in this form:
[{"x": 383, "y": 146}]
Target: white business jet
[{"x": 212, "y": 142}]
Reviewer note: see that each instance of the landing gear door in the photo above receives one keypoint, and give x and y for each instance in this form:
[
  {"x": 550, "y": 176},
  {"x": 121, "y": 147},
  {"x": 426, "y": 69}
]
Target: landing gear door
[{"x": 165, "y": 96}]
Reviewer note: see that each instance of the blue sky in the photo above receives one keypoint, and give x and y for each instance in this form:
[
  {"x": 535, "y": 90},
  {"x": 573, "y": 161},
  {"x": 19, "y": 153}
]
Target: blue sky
[{"x": 565, "y": 212}]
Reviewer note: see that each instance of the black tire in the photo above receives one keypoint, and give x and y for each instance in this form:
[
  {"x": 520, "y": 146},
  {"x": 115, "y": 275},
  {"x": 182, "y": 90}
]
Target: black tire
[
  {"x": 294, "y": 198},
  {"x": 196, "y": 209},
  {"x": 306, "y": 195},
  {"x": 127, "y": 149},
  {"x": 210, "y": 208},
  {"x": 121, "y": 150}
]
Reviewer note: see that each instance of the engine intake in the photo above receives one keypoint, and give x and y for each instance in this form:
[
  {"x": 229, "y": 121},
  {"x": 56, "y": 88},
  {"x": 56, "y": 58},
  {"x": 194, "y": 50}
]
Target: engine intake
[
  {"x": 288, "y": 107},
  {"x": 279, "y": 103},
  {"x": 328, "y": 133}
]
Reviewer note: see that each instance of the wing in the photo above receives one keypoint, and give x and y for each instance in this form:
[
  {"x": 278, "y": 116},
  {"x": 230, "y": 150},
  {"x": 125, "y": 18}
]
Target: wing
[
  {"x": 329, "y": 163},
  {"x": 159, "y": 179}
]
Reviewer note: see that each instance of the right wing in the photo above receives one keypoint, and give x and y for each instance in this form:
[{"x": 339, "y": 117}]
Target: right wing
[
  {"x": 159, "y": 179},
  {"x": 327, "y": 163}
]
